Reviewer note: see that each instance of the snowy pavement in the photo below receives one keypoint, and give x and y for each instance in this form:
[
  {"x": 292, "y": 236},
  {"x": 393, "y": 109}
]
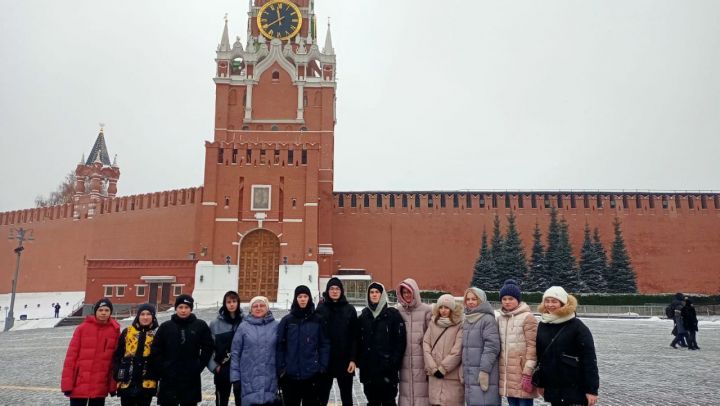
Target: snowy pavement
[{"x": 637, "y": 365}]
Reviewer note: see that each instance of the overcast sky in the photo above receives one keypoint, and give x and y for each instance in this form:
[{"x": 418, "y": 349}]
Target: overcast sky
[{"x": 441, "y": 95}]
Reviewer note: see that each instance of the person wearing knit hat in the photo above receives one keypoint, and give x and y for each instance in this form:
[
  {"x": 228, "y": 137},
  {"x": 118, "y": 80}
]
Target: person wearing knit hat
[
  {"x": 253, "y": 371},
  {"x": 481, "y": 347},
  {"x": 567, "y": 369},
  {"x": 223, "y": 330},
  {"x": 181, "y": 349},
  {"x": 341, "y": 317},
  {"x": 381, "y": 346},
  {"x": 303, "y": 350},
  {"x": 136, "y": 384},
  {"x": 87, "y": 370},
  {"x": 518, "y": 328},
  {"x": 442, "y": 351}
]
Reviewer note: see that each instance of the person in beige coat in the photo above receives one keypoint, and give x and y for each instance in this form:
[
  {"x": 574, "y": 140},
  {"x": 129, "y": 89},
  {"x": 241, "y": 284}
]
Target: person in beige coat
[
  {"x": 416, "y": 314},
  {"x": 518, "y": 329},
  {"x": 442, "y": 346}
]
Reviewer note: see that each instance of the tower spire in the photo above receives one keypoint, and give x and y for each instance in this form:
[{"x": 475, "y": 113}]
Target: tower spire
[
  {"x": 328, "y": 48},
  {"x": 225, "y": 40}
]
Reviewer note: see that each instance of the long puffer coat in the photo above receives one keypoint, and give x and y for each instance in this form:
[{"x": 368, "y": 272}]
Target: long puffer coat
[
  {"x": 569, "y": 367},
  {"x": 87, "y": 371},
  {"x": 417, "y": 315},
  {"x": 518, "y": 329},
  {"x": 445, "y": 357},
  {"x": 481, "y": 347},
  {"x": 253, "y": 359},
  {"x": 179, "y": 353}
]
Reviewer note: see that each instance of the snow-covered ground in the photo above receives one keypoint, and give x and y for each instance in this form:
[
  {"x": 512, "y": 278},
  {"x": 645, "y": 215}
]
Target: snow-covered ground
[{"x": 38, "y": 308}]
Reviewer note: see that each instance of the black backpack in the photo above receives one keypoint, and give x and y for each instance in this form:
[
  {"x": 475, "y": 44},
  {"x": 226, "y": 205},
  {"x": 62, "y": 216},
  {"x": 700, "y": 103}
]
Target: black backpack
[{"x": 670, "y": 312}]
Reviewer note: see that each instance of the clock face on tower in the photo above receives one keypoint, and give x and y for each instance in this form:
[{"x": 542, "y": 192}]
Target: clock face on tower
[{"x": 279, "y": 19}]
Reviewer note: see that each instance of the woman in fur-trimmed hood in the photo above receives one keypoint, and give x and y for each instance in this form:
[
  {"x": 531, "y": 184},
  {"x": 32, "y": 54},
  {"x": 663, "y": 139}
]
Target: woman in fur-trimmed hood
[
  {"x": 413, "y": 381},
  {"x": 442, "y": 347},
  {"x": 566, "y": 352}
]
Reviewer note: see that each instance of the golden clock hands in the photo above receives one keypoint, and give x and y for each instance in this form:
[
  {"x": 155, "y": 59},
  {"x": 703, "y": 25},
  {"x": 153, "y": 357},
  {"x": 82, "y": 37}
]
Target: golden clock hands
[
  {"x": 273, "y": 23},
  {"x": 277, "y": 8}
]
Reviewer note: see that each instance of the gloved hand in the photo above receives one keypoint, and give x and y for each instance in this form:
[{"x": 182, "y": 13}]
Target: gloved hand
[
  {"x": 438, "y": 374},
  {"x": 67, "y": 393},
  {"x": 484, "y": 380},
  {"x": 526, "y": 382}
]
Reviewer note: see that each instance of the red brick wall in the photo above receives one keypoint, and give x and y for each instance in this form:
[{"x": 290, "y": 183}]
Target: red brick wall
[{"x": 672, "y": 249}]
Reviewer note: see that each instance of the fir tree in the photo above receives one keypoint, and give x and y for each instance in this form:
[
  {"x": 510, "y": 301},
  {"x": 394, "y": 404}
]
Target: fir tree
[
  {"x": 591, "y": 266},
  {"x": 485, "y": 273},
  {"x": 496, "y": 249},
  {"x": 621, "y": 274},
  {"x": 601, "y": 255},
  {"x": 553, "y": 246},
  {"x": 566, "y": 271},
  {"x": 512, "y": 263},
  {"x": 537, "y": 277}
]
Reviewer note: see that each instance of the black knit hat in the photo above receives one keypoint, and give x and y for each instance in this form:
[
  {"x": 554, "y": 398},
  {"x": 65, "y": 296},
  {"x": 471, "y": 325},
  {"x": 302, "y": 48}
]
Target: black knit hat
[
  {"x": 103, "y": 302},
  {"x": 148, "y": 307},
  {"x": 377, "y": 286},
  {"x": 143, "y": 307},
  {"x": 510, "y": 288},
  {"x": 185, "y": 299},
  {"x": 335, "y": 282},
  {"x": 302, "y": 289}
]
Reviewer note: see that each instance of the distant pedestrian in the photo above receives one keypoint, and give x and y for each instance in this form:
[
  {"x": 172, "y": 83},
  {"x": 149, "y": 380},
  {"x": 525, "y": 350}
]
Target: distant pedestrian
[
  {"x": 417, "y": 315},
  {"x": 57, "y": 310},
  {"x": 340, "y": 318},
  {"x": 678, "y": 326},
  {"x": 87, "y": 372},
  {"x": 137, "y": 383},
  {"x": 381, "y": 346},
  {"x": 303, "y": 351},
  {"x": 253, "y": 369},
  {"x": 180, "y": 352},
  {"x": 481, "y": 348},
  {"x": 568, "y": 373},
  {"x": 690, "y": 322},
  {"x": 223, "y": 330},
  {"x": 518, "y": 330},
  {"x": 442, "y": 347}
]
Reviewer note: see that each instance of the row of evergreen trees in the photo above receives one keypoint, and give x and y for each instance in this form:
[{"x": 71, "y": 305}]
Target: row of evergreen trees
[{"x": 504, "y": 258}]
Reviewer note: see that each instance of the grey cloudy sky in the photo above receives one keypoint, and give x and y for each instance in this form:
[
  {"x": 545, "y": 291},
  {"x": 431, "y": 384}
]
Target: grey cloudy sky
[{"x": 431, "y": 94}]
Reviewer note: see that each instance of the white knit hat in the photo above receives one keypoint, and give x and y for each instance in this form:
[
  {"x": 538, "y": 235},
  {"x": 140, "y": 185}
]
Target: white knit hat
[
  {"x": 260, "y": 299},
  {"x": 556, "y": 292},
  {"x": 447, "y": 301}
]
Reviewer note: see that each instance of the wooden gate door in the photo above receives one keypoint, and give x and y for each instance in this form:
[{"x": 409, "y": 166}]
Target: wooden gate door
[{"x": 259, "y": 264}]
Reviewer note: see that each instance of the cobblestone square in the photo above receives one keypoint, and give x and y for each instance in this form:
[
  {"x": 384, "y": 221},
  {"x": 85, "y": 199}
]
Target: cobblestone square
[{"x": 637, "y": 365}]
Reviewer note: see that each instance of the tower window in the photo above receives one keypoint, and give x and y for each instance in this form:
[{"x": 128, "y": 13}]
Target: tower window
[
  {"x": 248, "y": 155},
  {"x": 275, "y": 75},
  {"x": 234, "y": 155},
  {"x": 276, "y": 156},
  {"x": 291, "y": 160},
  {"x": 263, "y": 157},
  {"x": 220, "y": 155},
  {"x": 303, "y": 157}
]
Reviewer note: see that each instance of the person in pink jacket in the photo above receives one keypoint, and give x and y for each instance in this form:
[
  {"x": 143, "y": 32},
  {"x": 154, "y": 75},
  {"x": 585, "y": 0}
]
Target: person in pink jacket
[
  {"x": 416, "y": 314},
  {"x": 518, "y": 329},
  {"x": 442, "y": 346},
  {"x": 87, "y": 371}
]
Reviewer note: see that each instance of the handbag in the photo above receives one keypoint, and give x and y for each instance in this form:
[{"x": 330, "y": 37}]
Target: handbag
[{"x": 537, "y": 371}]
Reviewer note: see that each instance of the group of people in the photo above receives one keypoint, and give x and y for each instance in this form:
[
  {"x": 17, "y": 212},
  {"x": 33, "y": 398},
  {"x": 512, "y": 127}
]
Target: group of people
[
  {"x": 447, "y": 354},
  {"x": 685, "y": 322}
]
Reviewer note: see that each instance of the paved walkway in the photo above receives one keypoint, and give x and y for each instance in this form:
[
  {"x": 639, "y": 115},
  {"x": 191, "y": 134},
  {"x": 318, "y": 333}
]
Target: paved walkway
[{"x": 637, "y": 366}]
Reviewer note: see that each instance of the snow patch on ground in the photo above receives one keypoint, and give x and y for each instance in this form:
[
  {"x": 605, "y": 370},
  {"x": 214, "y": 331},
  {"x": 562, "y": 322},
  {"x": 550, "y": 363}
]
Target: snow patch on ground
[{"x": 37, "y": 307}]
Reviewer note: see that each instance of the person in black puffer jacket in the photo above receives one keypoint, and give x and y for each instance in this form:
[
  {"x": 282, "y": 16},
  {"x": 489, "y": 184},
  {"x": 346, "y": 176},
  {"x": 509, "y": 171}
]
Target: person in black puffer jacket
[
  {"x": 180, "y": 351},
  {"x": 690, "y": 322},
  {"x": 381, "y": 346},
  {"x": 341, "y": 326},
  {"x": 303, "y": 351},
  {"x": 568, "y": 372},
  {"x": 136, "y": 383},
  {"x": 223, "y": 330}
]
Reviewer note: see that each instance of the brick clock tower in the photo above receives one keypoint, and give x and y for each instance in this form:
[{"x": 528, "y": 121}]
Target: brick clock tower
[{"x": 266, "y": 218}]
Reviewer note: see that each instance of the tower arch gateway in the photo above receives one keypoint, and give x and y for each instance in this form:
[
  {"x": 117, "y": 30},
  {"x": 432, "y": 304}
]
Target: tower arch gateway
[{"x": 259, "y": 263}]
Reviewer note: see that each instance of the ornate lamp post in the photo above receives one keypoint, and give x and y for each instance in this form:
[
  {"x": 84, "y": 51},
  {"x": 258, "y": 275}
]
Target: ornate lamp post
[{"x": 21, "y": 235}]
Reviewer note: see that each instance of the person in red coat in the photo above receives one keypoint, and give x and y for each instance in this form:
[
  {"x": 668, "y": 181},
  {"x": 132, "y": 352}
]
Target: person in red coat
[{"x": 87, "y": 372}]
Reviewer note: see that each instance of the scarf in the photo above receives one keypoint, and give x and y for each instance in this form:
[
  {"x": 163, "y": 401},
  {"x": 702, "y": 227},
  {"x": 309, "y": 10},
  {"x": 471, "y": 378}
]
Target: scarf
[
  {"x": 550, "y": 318},
  {"x": 444, "y": 322}
]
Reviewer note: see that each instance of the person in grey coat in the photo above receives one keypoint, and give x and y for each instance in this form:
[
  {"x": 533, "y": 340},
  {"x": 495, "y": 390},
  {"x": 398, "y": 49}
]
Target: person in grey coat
[
  {"x": 223, "y": 330},
  {"x": 481, "y": 347},
  {"x": 252, "y": 357}
]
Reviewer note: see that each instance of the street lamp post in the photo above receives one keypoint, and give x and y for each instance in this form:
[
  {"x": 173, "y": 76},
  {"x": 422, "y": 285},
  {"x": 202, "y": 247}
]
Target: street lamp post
[{"x": 21, "y": 235}]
